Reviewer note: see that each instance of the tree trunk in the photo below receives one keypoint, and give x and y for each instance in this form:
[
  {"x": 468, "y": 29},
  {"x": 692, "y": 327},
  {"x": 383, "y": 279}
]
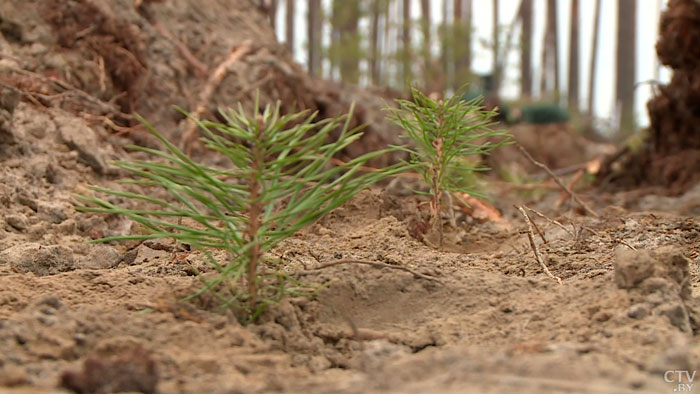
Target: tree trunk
[
  {"x": 425, "y": 25},
  {"x": 290, "y": 26},
  {"x": 388, "y": 43},
  {"x": 526, "y": 50},
  {"x": 594, "y": 59},
  {"x": 505, "y": 48},
  {"x": 350, "y": 42},
  {"x": 272, "y": 14},
  {"x": 333, "y": 52},
  {"x": 461, "y": 42},
  {"x": 445, "y": 49},
  {"x": 496, "y": 32},
  {"x": 406, "y": 52},
  {"x": 374, "y": 43},
  {"x": 573, "y": 98},
  {"x": 314, "y": 28},
  {"x": 626, "y": 67},
  {"x": 554, "y": 44},
  {"x": 468, "y": 22},
  {"x": 550, "y": 54}
]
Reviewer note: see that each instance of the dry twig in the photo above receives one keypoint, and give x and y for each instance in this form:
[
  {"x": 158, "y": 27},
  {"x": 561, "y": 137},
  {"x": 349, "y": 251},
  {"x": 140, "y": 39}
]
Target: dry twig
[
  {"x": 68, "y": 89},
  {"x": 212, "y": 83},
  {"x": 545, "y": 217},
  {"x": 540, "y": 233},
  {"x": 564, "y": 195},
  {"x": 558, "y": 181},
  {"x": 199, "y": 67},
  {"x": 531, "y": 237},
  {"x": 372, "y": 263}
]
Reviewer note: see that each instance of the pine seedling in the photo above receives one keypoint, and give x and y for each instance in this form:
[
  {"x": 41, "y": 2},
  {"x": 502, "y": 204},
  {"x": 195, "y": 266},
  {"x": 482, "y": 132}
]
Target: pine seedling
[
  {"x": 443, "y": 133},
  {"x": 280, "y": 180}
]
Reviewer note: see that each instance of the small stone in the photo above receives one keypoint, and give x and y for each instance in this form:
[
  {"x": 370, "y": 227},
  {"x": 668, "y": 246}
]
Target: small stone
[
  {"x": 9, "y": 98},
  {"x": 7, "y": 132},
  {"x": 39, "y": 259},
  {"x": 26, "y": 199},
  {"x": 638, "y": 311},
  {"x": 318, "y": 364},
  {"x": 130, "y": 256},
  {"x": 602, "y": 316},
  {"x": 677, "y": 315},
  {"x": 13, "y": 376},
  {"x": 76, "y": 134},
  {"x": 632, "y": 267},
  {"x": 55, "y": 212},
  {"x": 655, "y": 285},
  {"x": 101, "y": 257},
  {"x": 17, "y": 221},
  {"x": 51, "y": 301},
  {"x": 131, "y": 370},
  {"x": 67, "y": 227}
]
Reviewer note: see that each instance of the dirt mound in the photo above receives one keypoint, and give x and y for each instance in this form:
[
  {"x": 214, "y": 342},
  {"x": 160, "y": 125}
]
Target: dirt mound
[
  {"x": 556, "y": 145},
  {"x": 106, "y": 60},
  {"x": 670, "y": 158}
]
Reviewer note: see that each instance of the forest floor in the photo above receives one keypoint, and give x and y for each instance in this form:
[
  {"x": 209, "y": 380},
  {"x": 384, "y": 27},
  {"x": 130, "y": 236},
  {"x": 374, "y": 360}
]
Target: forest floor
[{"x": 625, "y": 312}]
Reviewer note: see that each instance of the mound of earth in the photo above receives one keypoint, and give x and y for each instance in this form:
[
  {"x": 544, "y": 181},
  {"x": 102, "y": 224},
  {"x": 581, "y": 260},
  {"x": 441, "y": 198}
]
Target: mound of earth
[
  {"x": 106, "y": 60},
  {"x": 670, "y": 157}
]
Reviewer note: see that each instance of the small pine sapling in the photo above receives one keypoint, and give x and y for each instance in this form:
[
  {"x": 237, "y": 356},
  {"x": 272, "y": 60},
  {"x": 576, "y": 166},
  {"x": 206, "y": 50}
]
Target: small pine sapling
[
  {"x": 444, "y": 133},
  {"x": 280, "y": 180}
]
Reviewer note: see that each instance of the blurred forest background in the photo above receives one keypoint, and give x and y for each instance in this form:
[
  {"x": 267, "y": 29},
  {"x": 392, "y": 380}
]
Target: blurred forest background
[{"x": 595, "y": 58}]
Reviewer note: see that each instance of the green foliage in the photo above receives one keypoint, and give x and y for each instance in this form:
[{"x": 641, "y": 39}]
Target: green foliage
[
  {"x": 444, "y": 132},
  {"x": 539, "y": 113},
  {"x": 280, "y": 180}
]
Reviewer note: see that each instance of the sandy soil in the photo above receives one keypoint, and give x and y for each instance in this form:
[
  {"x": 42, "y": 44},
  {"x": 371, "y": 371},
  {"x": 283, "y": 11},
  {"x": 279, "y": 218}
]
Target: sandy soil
[{"x": 492, "y": 321}]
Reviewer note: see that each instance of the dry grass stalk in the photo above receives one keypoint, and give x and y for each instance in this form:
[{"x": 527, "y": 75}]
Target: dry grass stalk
[
  {"x": 559, "y": 182},
  {"x": 545, "y": 217},
  {"x": 212, "y": 83},
  {"x": 564, "y": 195},
  {"x": 535, "y": 250},
  {"x": 372, "y": 263}
]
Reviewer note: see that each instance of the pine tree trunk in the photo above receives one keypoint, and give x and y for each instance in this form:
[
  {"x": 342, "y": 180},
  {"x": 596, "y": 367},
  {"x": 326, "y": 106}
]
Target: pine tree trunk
[
  {"x": 468, "y": 21},
  {"x": 496, "y": 60},
  {"x": 626, "y": 67},
  {"x": 314, "y": 27},
  {"x": 554, "y": 44},
  {"x": 272, "y": 14},
  {"x": 573, "y": 99},
  {"x": 461, "y": 45},
  {"x": 425, "y": 25},
  {"x": 374, "y": 43},
  {"x": 526, "y": 50},
  {"x": 550, "y": 55},
  {"x": 594, "y": 59},
  {"x": 333, "y": 48},
  {"x": 406, "y": 52},
  {"x": 388, "y": 44},
  {"x": 350, "y": 42},
  {"x": 445, "y": 50},
  {"x": 290, "y": 25}
]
